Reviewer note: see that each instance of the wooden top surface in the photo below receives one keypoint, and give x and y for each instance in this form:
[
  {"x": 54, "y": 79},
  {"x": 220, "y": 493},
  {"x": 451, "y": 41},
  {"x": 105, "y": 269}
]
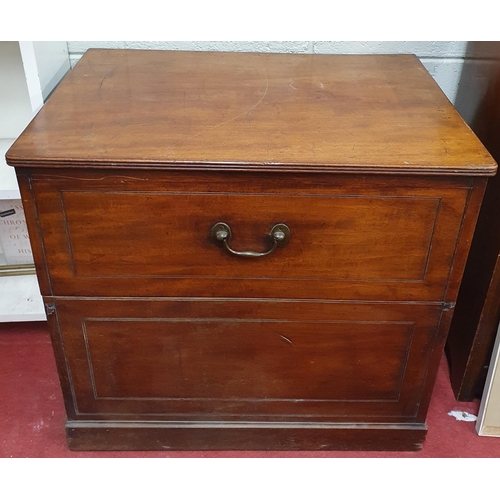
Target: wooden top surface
[{"x": 172, "y": 109}]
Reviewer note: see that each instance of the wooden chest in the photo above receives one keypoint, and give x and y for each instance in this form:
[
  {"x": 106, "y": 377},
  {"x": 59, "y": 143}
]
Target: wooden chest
[{"x": 248, "y": 251}]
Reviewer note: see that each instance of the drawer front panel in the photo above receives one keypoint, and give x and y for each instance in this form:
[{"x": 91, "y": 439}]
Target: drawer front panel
[
  {"x": 349, "y": 239},
  {"x": 187, "y": 359},
  {"x": 332, "y": 237}
]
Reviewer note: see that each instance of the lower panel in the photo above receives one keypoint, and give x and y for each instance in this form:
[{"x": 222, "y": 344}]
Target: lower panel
[
  {"x": 150, "y": 436},
  {"x": 236, "y": 361}
]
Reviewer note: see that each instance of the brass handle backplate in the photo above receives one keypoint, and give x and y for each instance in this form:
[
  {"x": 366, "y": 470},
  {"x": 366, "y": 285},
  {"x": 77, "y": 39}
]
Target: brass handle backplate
[{"x": 221, "y": 233}]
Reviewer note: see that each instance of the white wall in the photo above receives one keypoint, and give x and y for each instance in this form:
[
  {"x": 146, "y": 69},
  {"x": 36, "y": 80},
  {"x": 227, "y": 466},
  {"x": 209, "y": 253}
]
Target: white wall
[
  {"x": 52, "y": 64},
  {"x": 15, "y": 107}
]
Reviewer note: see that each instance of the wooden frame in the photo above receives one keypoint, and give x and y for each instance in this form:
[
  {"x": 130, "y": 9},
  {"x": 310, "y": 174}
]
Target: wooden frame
[{"x": 488, "y": 422}]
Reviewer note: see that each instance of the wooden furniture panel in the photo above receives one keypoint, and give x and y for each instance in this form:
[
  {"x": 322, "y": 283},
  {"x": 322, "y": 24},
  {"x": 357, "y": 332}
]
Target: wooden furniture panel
[
  {"x": 246, "y": 360},
  {"x": 474, "y": 328},
  {"x": 350, "y": 240},
  {"x": 164, "y": 339},
  {"x": 263, "y": 112},
  {"x": 94, "y": 435}
]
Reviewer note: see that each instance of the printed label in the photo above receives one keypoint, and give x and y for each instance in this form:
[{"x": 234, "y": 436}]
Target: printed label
[{"x": 14, "y": 238}]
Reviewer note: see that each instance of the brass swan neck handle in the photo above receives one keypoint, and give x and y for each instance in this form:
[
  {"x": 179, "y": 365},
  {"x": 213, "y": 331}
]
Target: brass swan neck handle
[{"x": 280, "y": 235}]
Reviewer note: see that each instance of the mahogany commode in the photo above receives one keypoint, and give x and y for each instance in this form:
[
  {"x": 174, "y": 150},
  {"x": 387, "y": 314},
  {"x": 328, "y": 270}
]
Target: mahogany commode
[{"x": 248, "y": 251}]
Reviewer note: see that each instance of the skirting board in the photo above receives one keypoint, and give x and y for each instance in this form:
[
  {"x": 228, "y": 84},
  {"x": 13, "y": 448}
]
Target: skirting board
[{"x": 92, "y": 436}]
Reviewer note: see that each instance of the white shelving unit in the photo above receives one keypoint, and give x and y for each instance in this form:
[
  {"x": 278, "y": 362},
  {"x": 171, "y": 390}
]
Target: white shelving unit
[{"x": 29, "y": 71}]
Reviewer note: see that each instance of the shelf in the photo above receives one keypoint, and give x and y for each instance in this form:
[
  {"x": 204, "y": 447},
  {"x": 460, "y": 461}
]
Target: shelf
[
  {"x": 30, "y": 71},
  {"x": 20, "y": 299}
]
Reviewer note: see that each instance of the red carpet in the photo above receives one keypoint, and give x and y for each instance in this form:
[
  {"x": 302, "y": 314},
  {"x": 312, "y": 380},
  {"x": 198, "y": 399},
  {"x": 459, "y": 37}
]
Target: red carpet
[{"x": 32, "y": 413}]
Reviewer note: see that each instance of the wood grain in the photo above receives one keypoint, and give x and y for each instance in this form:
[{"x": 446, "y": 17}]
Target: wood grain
[
  {"x": 380, "y": 113},
  {"x": 101, "y": 435},
  {"x": 474, "y": 326},
  {"x": 351, "y": 237},
  {"x": 163, "y": 340},
  {"x": 246, "y": 360}
]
